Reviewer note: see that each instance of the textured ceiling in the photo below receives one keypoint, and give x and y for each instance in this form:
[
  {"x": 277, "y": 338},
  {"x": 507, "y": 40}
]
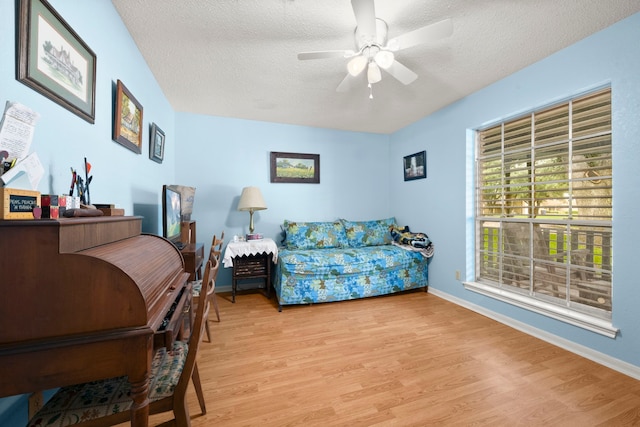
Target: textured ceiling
[{"x": 238, "y": 58}]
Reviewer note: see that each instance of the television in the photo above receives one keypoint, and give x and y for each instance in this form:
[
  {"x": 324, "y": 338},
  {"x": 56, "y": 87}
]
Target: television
[{"x": 171, "y": 216}]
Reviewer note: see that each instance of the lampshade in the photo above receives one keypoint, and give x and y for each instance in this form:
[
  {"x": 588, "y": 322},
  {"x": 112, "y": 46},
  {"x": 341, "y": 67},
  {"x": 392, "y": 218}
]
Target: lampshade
[
  {"x": 384, "y": 58},
  {"x": 251, "y": 200},
  {"x": 373, "y": 73},
  {"x": 356, "y": 65}
]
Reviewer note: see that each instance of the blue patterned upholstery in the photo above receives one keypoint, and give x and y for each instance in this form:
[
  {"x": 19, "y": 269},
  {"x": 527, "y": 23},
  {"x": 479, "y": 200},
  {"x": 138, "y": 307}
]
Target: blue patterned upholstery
[
  {"x": 368, "y": 233},
  {"x": 78, "y": 403},
  {"x": 196, "y": 287},
  {"x": 368, "y": 266},
  {"x": 313, "y": 235}
]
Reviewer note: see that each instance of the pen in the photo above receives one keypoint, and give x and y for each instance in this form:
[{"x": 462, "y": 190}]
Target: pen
[{"x": 73, "y": 181}]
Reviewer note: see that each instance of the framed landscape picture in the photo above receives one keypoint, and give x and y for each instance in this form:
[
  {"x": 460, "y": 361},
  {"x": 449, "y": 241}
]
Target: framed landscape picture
[
  {"x": 415, "y": 166},
  {"x": 156, "y": 144},
  {"x": 127, "y": 119},
  {"x": 295, "y": 167},
  {"x": 53, "y": 60}
]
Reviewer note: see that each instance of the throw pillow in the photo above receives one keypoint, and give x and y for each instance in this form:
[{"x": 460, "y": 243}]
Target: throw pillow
[
  {"x": 314, "y": 235},
  {"x": 368, "y": 233}
]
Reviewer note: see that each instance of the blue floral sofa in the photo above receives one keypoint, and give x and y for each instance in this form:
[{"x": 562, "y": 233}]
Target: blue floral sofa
[{"x": 343, "y": 260}]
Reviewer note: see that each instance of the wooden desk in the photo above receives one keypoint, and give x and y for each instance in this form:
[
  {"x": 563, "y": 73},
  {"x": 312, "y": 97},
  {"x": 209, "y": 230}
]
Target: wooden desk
[
  {"x": 86, "y": 296},
  {"x": 193, "y": 255}
]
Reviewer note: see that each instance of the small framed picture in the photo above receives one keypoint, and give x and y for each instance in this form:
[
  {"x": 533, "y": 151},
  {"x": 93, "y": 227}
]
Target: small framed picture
[
  {"x": 415, "y": 166},
  {"x": 127, "y": 120},
  {"x": 156, "y": 144},
  {"x": 295, "y": 168}
]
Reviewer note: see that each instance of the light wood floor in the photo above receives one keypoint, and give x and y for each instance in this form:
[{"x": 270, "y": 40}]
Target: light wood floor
[{"x": 409, "y": 359}]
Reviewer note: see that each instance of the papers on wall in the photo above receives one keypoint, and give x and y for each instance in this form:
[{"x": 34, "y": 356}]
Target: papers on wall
[
  {"x": 16, "y": 130},
  {"x": 16, "y": 134},
  {"x": 30, "y": 166}
]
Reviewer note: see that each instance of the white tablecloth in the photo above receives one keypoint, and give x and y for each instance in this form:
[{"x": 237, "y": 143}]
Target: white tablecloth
[{"x": 250, "y": 247}]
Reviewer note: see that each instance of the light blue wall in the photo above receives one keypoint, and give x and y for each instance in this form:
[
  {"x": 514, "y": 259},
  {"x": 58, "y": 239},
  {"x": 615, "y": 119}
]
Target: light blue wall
[
  {"x": 62, "y": 139},
  {"x": 440, "y": 202},
  {"x": 224, "y": 155}
]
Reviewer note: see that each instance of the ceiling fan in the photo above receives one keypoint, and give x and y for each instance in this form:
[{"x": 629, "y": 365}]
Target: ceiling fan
[{"x": 374, "y": 51}]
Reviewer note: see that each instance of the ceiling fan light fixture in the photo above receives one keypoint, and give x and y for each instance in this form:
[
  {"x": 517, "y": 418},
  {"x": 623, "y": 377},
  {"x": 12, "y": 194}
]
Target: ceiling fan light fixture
[
  {"x": 356, "y": 65},
  {"x": 384, "y": 58},
  {"x": 373, "y": 73}
]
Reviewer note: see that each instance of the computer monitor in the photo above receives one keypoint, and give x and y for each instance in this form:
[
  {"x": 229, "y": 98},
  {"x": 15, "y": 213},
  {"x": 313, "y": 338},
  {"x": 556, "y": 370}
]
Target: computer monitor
[{"x": 171, "y": 216}]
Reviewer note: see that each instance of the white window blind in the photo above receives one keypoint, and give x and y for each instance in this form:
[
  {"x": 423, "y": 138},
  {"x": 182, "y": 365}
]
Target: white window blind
[{"x": 543, "y": 205}]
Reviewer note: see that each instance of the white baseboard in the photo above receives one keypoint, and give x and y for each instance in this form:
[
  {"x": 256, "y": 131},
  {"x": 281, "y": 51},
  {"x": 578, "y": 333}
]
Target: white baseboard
[{"x": 616, "y": 364}]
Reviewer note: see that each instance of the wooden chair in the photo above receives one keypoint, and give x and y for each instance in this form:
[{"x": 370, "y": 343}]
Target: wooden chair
[
  {"x": 108, "y": 402},
  {"x": 518, "y": 245},
  {"x": 216, "y": 246},
  {"x": 210, "y": 297},
  {"x": 549, "y": 273},
  {"x": 215, "y": 254}
]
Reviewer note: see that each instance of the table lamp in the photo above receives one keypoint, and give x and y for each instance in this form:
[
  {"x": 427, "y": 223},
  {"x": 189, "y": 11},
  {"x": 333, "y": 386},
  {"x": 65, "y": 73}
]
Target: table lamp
[{"x": 251, "y": 200}]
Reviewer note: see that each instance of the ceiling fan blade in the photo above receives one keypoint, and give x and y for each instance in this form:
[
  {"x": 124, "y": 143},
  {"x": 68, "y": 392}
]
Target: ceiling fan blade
[
  {"x": 365, "y": 13},
  {"x": 426, "y": 34},
  {"x": 321, "y": 54},
  {"x": 401, "y": 73},
  {"x": 347, "y": 83}
]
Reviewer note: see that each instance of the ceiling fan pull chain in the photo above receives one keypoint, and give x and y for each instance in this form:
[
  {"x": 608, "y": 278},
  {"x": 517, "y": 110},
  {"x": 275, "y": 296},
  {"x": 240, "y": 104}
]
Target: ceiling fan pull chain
[{"x": 370, "y": 91}]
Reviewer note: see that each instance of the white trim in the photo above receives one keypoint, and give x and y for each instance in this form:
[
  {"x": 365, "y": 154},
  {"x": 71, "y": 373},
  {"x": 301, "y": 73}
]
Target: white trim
[
  {"x": 601, "y": 358},
  {"x": 567, "y": 315}
]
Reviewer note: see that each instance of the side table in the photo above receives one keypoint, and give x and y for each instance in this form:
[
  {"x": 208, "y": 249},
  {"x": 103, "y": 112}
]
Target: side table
[{"x": 250, "y": 260}]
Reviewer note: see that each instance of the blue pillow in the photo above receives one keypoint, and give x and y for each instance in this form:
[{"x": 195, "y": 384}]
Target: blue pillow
[
  {"x": 314, "y": 235},
  {"x": 369, "y": 233}
]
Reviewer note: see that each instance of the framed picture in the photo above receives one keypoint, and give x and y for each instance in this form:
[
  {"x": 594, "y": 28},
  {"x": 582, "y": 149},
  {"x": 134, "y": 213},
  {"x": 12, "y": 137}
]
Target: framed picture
[
  {"x": 53, "y": 60},
  {"x": 156, "y": 144},
  {"x": 127, "y": 120},
  {"x": 415, "y": 166},
  {"x": 295, "y": 167}
]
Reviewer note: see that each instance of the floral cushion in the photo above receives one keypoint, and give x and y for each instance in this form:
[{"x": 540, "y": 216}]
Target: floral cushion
[
  {"x": 368, "y": 233},
  {"x": 196, "y": 288},
  {"x": 79, "y": 403},
  {"x": 335, "y": 262},
  {"x": 314, "y": 235},
  {"x": 323, "y": 275}
]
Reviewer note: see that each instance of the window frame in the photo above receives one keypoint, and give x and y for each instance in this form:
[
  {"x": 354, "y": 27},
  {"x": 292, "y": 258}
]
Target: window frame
[{"x": 566, "y": 307}]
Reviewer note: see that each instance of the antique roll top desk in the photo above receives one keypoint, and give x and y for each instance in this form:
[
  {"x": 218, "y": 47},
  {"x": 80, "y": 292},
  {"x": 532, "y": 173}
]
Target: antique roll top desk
[{"x": 85, "y": 299}]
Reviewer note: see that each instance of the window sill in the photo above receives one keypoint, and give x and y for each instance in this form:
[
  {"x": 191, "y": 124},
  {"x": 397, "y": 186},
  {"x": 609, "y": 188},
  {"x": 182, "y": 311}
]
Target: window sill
[{"x": 585, "y": 321}]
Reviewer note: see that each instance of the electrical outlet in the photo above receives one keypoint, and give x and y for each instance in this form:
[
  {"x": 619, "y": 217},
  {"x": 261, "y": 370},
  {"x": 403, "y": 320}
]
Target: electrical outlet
[{"x": 457, "y": 274}]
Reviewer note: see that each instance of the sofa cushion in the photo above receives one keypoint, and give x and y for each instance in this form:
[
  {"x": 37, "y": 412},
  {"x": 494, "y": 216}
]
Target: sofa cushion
[
  {"x": 368, "y": 233},
  {"x": 348, "y": 261},
  {"x": 314, "y": 235}
]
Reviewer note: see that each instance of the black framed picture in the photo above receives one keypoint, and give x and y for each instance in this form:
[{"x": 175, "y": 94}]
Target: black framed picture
[
  {"x": 415, "y": 166},
  {"x": 156, "y": 144},
  {"x": 53, "y": 60},
  {"x": 295, "y": 167}
]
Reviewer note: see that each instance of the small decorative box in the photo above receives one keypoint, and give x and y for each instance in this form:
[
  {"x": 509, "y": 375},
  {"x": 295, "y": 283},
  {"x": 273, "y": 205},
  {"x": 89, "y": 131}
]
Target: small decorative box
[{"x": 18, "y": 204}]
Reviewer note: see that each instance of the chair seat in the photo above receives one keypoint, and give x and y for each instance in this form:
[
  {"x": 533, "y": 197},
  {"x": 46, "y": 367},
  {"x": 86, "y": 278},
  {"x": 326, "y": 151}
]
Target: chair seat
[
  {"x": 78, "y": 403},
  {"x": 196, "y": 287}
]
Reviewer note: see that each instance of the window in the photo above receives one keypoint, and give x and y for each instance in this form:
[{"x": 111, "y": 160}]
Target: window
[{"x": 543, "y": 206}]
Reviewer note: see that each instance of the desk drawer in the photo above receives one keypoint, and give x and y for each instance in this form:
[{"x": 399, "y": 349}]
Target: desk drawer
[{"x": 174, "y": 321}]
